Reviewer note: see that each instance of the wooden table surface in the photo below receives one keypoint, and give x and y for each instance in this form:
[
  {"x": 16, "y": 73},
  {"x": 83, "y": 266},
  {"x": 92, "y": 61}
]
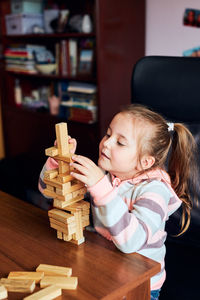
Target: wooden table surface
[{"x": 26, "y": 240}]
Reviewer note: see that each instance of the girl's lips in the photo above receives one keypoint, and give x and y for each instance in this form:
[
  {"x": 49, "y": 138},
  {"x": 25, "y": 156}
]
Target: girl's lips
[{"x": 104, "y": 155}]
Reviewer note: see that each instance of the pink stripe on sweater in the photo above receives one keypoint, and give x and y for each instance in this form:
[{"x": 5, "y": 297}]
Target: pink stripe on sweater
[
  {"x": 159, "y": 235},
  {"x": 128, "y": 232}
]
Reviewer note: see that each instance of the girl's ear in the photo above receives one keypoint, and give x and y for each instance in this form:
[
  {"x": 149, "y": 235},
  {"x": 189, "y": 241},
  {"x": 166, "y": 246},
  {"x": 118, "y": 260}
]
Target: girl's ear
[{"x": 147, "y": 162}]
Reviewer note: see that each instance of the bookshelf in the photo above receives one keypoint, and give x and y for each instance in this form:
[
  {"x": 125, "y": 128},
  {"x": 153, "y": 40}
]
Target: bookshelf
[{"x": 118, "y": 36}]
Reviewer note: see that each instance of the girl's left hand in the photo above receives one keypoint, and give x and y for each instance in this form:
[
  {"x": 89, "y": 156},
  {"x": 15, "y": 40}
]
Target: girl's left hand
[{"x": 89, "y": 174}]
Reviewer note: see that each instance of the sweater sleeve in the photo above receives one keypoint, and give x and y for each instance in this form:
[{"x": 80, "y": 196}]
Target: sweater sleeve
[
  {"x": 49, "y": 165},
  {"x": 130, "y": 229}
]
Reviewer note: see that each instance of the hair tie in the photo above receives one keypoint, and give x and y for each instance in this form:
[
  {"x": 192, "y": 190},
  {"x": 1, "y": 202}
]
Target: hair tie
[{"x": 170, "y": 126}]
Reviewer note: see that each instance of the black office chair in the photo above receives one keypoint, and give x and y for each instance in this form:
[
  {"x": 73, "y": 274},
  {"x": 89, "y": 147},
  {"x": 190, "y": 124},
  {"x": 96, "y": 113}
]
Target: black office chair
[{"x": 171, "y": 86}]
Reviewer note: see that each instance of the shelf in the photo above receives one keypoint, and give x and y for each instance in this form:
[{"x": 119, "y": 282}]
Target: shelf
[
  {"x": 23, "y": 110},
  {"x": 118, "y": 42},
  {"x": 49, "y": 36},
  {"x": 54, "y": 77}
]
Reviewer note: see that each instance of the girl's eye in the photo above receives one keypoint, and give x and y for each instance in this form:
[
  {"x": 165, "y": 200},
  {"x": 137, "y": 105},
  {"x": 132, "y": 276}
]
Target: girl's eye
[
  {"x": 107, "y": 135},
  {"x": 120, "y": 144}
]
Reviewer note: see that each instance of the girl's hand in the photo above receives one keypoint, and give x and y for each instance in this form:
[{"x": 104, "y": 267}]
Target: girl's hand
[
  {"x": 89, "y": 174},
  {"x": 72, "y": 142}
]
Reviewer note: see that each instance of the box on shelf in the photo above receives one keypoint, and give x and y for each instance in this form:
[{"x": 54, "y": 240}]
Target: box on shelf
[
  {"x": 26, "y": 6},
  {"x": 23, "y": 23}
]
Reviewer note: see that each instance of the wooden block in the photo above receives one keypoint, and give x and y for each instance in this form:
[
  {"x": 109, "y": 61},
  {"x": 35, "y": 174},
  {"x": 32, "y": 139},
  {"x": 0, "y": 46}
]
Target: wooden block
[
  {"x": 66, "y": 237},
  {"x": 61, "y": 216},
  {"x": 18, "y": 285},
  {"x": 85, "y": 221},
  {"x": 66, "y": 158},
  {"x": 36, "y": 276},
  {"x": 65, "y": 177},
  {"x": 64, "y": 228},
  {"x": 54, "y": 270},
  {"x": 59, "y": 235},
  {"x": 80, "y": 205},
  {"x": 60, "y": 198},
  {"x": 64, "y": 190},
  {"x": 68, "y": 283},
  {"x": 78, "y": 242},
  {"x": 81, "y": 191},
  {"x": 62, "y": 138},
  {"x": 63, "y": 167},
  {"x": 50, "y": 174},
  {"x": 65, "y": 204},
  {"x": 52, "y": 151},
  {"x": 54, "y": 182},
  {"x": 79, "y": 226},
  {"x": 76, "y": 187},
  {"x": 50, "y": 187},
  {"x": 3, "y": 292},
  {"x": 48, "y": 293}
]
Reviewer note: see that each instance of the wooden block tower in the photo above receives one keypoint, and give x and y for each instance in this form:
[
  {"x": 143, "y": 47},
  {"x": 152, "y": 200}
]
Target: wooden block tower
[{"x": 70, "y": 213}]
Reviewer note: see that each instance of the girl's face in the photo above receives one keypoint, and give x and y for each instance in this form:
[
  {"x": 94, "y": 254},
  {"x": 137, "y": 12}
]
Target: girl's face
[{"x": 118, "y": 148}]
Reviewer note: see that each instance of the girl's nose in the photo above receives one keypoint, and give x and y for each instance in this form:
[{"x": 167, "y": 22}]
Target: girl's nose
[{"x": 107, "y": 142}]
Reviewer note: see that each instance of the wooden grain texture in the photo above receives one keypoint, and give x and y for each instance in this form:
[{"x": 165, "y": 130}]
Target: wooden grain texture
[
  {"x": 18, "y": 285},
  {"x": 103, "y": 271},
  {"x": 66, "y": 283},
  {"x": 48, "y": 293},
  {"x": 54, "y": 270},
  {"x": 36, "y": 276},
  {"x": 62, "y": 138}
]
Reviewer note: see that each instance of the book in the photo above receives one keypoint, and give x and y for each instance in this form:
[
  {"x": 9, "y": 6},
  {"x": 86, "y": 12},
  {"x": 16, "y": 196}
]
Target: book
[
  {"x": 85, "y": 61},
  {"x": 73, "y": 50},
  {"x": 82, "y": 87}
]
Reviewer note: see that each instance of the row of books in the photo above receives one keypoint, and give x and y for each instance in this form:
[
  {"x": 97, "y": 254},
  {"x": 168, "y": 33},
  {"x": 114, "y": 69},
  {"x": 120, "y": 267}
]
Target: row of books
[
  {"x": 79, "y": 102},
  {"x": 20, "y": 59},
  {"x": 66, "y": 57},
  {"x": 23, "y": 58},
  {"x": 74, "y": 57}
]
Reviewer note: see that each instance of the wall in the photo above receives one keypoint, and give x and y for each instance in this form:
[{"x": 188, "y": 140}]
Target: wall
[{"x": 165, "y": 34}]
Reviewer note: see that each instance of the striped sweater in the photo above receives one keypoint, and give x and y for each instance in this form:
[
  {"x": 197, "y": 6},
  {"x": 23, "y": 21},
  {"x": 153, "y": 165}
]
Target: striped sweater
[{"x": 132, "y": 213}]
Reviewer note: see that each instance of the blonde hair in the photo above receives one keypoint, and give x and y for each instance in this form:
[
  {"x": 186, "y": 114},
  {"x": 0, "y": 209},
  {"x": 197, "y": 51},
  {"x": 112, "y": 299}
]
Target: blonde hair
[{"x": 178, "y": 147}]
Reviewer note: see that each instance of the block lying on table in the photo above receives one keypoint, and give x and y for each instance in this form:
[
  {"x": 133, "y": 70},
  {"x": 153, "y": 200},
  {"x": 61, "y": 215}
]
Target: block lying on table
[
  {"x": 54, "y": 270},
  {"x": 67, "y": 283},
  {"x": 36, "y": 276},
  {"x": 3, "y": 292},
  {"x": 18, "y": 285},
  {"x": 48, "y": 293}
]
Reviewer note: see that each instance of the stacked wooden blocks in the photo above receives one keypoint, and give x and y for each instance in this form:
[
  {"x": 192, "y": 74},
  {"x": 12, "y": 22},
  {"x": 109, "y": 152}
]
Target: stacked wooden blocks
[{"x": 70, "y": 213}]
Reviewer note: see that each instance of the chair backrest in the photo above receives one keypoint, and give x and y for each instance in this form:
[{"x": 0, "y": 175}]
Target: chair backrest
[{"x": 171, "y": 86}]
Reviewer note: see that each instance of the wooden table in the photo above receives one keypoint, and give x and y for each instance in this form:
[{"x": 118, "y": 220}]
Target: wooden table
[{"x": 26, "y": 240}]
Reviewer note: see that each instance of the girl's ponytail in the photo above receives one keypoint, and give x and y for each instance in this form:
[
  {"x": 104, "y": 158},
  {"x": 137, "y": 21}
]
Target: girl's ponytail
[{"x": 182, "y": 169}]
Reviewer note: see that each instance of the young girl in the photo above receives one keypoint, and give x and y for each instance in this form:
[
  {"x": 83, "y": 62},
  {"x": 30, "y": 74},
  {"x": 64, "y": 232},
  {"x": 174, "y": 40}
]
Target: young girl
[{"x": 132, "y": 202}]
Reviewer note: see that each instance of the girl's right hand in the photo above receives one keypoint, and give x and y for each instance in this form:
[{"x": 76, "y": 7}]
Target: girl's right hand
[{"x": 72, "y": 142}]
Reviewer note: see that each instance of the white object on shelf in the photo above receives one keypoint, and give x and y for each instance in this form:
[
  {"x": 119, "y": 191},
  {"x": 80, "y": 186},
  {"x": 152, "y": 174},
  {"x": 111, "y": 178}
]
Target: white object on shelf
[
  {"x": 86, "y": 24},
  {"x": 46, "y": 68},
  {"x": 23, "y": 23}
]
